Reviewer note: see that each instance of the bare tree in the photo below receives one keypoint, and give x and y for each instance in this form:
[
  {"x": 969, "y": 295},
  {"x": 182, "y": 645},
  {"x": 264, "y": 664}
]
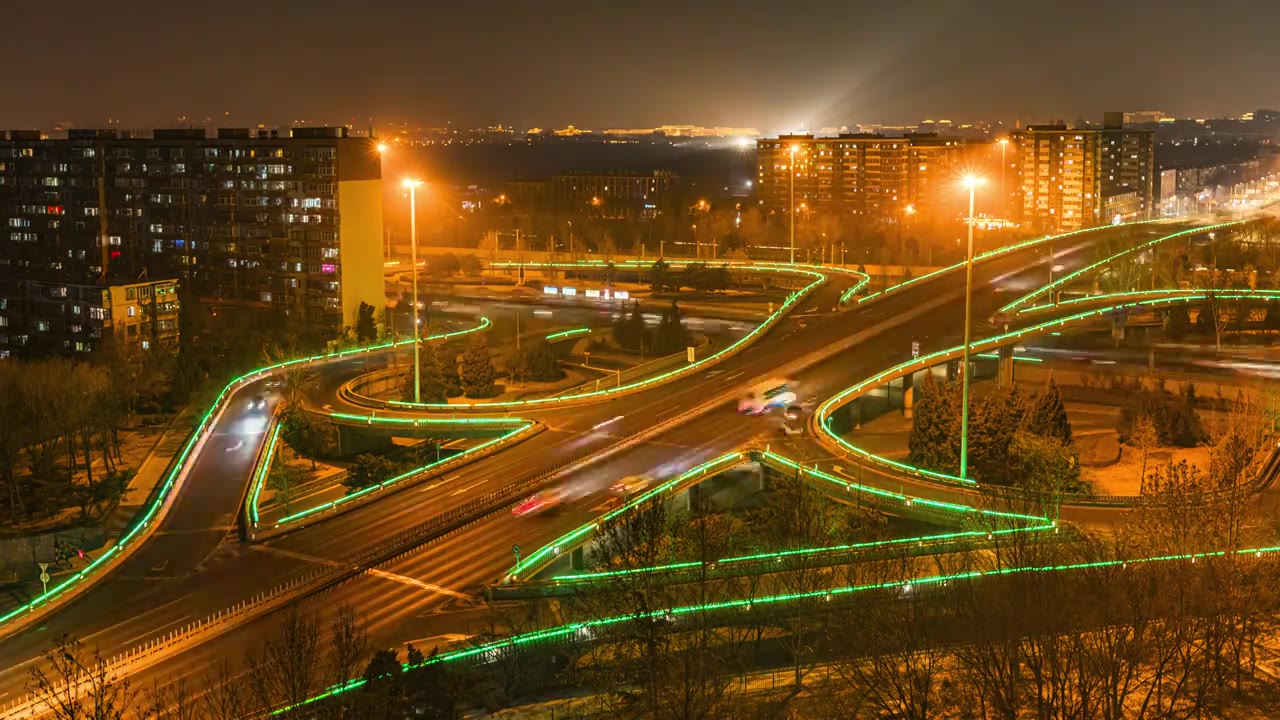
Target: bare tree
[
  {"x": 76, "y": 684},
  {"x": 223, "y": 697}
]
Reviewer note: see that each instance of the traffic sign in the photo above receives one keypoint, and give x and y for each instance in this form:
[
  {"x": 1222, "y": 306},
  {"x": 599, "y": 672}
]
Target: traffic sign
[
  {"x": 915, "y": 349},
  {"x": 44, "y": 576},
  {"x": 516, "y": 549}
]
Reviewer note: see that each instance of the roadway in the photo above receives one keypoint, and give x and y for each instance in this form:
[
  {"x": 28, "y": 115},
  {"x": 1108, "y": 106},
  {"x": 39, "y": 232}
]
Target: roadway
[{"x": 418, "y": 596}]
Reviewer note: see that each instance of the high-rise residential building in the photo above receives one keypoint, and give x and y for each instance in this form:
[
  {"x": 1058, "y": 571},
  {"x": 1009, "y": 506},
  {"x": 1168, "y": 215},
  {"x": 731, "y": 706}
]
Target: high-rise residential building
[
  {"x": 1074, "y": 178},
  {"x": 881, "y": 178},
  {"x": 289, "y": 223}
]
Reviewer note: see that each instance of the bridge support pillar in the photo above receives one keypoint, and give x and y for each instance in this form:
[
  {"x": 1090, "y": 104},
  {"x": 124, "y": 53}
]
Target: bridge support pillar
[
  {"x": 577, "y": 558},
  {"x": 1004, "y": 375},
  {"x": 908, "y": 400},
  {"x": 353, "y": 442}
]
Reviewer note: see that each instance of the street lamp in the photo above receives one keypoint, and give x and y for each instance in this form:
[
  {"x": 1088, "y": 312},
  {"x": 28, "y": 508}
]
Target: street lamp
[
  {"x": 413, "y": 262},
  {"x": 1004, "y": 209},
  {"x": 972, "y": 182},
  {"x": 382, "y": 147},
  {"x": 794, "y": 148}
]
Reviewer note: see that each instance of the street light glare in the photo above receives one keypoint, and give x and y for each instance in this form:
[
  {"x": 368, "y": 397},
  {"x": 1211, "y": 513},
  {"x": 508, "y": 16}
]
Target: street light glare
[
  {"x": 411, "y": 183},
  {"x": 382, "y": 147},
  {"x": 973, "y": 181}
]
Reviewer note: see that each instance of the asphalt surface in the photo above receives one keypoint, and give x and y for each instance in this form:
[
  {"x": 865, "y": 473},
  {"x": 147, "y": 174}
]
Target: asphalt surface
[{"x": 195, "y": 565}]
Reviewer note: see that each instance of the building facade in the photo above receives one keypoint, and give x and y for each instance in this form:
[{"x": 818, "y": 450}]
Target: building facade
[
  {"x": 614, "y": 194},
  {"x": 882, "y": 178},
  {"x": 1077, "y": 178},
  {"x": 247, "y": 218},
  {"x": 41, "y": 317}
]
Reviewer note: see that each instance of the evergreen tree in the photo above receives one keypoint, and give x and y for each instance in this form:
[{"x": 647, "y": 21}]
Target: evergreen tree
[
  {"x": 448, "y": 362},
  {"x": 935, "y": 427},
  {"x": 538, "y": 363},
  {"x": 1272, "y": 320},
  {"x": 430, "y": 378},
  {"x": 694, "y": 276},
  {"x": 660, "y": 277},
  {"x": 1048, "y": 415},
  {"x": 366, "y": 324},
  {"x": 992, "y": 424},
  {"x": 672, "y": 337},
  {"x": 630, "y": 331},
  {"x": 477, "y": 370},
  {"x": 1177, "y": 322}
]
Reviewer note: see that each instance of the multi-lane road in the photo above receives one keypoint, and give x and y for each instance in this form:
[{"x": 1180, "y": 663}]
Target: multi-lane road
[{"x": 194, "y": 564}]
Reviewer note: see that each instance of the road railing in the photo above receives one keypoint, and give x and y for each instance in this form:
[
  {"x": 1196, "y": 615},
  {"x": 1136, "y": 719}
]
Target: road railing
[{"x": 821, "y": 430}]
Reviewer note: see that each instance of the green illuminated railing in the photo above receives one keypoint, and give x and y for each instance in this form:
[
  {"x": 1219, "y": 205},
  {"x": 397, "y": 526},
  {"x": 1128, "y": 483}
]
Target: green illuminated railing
[
  {"x": 1018, "y": 303},
  {"x": 552, "y": 549},
  {"x": 389, "y": 482},
  {"x": 961, "y": 513},
  {"x": 567, "y": 333},
  {"x": 987, "y": 256},
  {"x": 792, "y": 299},
  {"x": 182, "y": 466},
  {"x": 822, "y": 415},
  {"x": 1123, "y": 297},
  {"x": 584, "y": 630}
]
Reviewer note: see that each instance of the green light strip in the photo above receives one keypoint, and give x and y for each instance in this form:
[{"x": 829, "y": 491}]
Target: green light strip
[
  {"x": 990, "y": 254},
  {"x": 525, "y": 425},
  {"x": 904, "y": 585},
  {"x": 823, "y": 413},
  {"x": 1071, "y": 276},
  {"x": 1122, "y": 297},
  {"x": 553, "y": 547},
  {"x": 1034, "y": 522},
  {"x": 184, "y": 456},
  {"x": 567, "y": 333},
  {"x": 260, "y": 477},
  {"x": 791, "y": 300}
]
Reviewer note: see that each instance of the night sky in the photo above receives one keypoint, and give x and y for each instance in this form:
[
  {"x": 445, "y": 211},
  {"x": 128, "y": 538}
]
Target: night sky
[{"x": 617, "y": 63}]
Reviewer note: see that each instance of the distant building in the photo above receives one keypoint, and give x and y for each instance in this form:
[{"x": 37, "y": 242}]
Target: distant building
[
  {"x": 292, "y": 224},
  {"x": 1076, "y": 178},
  {"x": 40, "y": 317},
  {"x": 614, "y": 194},
  {"x": 880, "y": 177}
]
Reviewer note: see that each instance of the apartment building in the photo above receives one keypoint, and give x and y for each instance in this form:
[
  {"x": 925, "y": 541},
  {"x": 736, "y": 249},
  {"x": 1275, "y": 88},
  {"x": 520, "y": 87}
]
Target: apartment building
[
  {"x": 614, "y": 194},
  {"x": 1072, "y": 178},
  {"x": 883, "y": 178},
  {"x": 40, "y": 317},
  {"x": 246, "y": 218}
]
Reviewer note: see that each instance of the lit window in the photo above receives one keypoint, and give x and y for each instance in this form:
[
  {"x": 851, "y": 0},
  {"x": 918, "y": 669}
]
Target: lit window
[{"x": 133, "y": 311}]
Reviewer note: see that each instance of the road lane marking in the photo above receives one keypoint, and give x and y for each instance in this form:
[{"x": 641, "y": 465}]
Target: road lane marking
[
  {"x": 87, "y": 638},
  {"x": 436, "y": 485},
  {"x": 418, "y": 583},
  {"x": 151, "y": 633},
  {"x": 298, "y": 555},
  {"x": 465, "y": 488},
  {"x": 239, "y": 444}
]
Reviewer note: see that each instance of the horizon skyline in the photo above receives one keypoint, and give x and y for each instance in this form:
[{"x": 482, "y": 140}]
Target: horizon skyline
[{"x": 746, "y": 63}]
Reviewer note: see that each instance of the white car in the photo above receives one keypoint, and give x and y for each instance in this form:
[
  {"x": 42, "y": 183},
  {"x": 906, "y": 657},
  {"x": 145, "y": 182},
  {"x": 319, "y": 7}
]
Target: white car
[{"x": 258, "y": 402}]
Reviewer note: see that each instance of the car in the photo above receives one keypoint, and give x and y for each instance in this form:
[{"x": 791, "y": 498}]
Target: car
[
  {"x": 631, "y": 484},
  {"x": 792, "y": 412},
  {"x": 536, "y": 503},
  {"x": 790, "y": 428},
  {"x": 258, "y": 402}
]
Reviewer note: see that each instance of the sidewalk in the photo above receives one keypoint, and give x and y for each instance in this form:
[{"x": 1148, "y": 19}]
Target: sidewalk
[{"x": 151, "y": 472}]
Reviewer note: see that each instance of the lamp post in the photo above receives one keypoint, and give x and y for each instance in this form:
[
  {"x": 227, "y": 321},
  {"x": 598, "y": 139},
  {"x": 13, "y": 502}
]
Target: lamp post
[
  {"x": 793, "y": 203},
  {"x": 1004, "y": 165},
  {"x": 413, "y": 262},
  {"x": 972, "y": 182}
]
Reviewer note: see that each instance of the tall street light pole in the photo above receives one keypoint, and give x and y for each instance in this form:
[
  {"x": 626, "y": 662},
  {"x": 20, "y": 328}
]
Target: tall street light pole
[
  {"x": 413, "y": 262},
  {"x": 1004, "y": 165},
  {"x": 793, "y": 204},
  {"x": 972, "y": 183}
]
